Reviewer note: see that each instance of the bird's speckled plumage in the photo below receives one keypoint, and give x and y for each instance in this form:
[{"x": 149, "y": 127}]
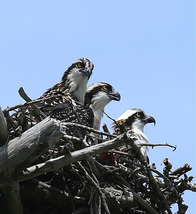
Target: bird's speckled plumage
[
  {"x": 67, "y": 96},
  {"x": 64, "y": 101},
  {"x": 73, "y": 83}
]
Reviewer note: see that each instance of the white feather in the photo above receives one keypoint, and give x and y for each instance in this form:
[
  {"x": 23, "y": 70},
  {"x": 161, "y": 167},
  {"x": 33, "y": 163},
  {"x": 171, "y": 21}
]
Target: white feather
[
  {"x": 137, "y": 129},
  {"x": 78, "y": 84},
  {"x": 141, "y": 139},
  {"x": 99, "y": 101},
  {"x": 127, "y": 114}
]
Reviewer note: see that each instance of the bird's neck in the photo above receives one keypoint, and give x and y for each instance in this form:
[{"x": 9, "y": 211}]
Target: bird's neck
[
  {"x": 98, "y": 106},
  {"x": 77, "y": 86},
  {"x": 79, "y": 91},
  {"x": 140, "y": 134},
  {"x": 98, "y": 114}
]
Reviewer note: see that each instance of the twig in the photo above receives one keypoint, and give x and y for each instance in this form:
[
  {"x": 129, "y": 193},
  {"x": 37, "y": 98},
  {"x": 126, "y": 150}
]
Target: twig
[
  {"x": 143, "y": 203},
  {"x": 136, "y": 197},
  {"x": 86, "y": 128},
  {"x": 52, "y": 194},
  {"x": 120, "y": 126},
  {"x": 24, "y": 95},
  {"x": 182, "y": 170},
  {"x": 110, "y": 117},
  {"x": 105, "y": 128},
  {"x": 96, "y": 186},
  {"x": 72, "y": 138},
  {"x": 167, "y": 180},
  {"x": 161, "y": 144},
  {"x": 37, "y": 111},
  {"x": 160, "y": 175},
  {"x": 193, "y": 187}
]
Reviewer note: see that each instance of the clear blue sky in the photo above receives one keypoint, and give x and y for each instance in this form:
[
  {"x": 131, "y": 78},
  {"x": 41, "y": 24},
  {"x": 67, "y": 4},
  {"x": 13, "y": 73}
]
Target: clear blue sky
[{"x": 145, "y": 49}]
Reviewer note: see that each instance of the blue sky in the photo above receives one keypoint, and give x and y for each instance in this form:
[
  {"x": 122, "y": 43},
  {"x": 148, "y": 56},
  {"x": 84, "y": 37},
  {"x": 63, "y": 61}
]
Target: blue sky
[{"x": 145, "y": 49}]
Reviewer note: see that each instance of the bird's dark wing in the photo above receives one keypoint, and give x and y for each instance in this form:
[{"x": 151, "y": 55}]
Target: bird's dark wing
[{"x": 74, "y": 113}]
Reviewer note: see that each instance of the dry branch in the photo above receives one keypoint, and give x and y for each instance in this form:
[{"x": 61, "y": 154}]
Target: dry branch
[
  {"x": 3, "y": 129},
  {"x": 152, "y": 182},
  {"x": 159, "y": 144},
  {"x": 37, "y": 111},
  {"x": 88, "y": 129},
  {"x": 22, "y": 151},
  {"x": 96, "y": 186},
  {"x": 35, "y": 188},
  {"x": 10, "y": 193},
  {"x": 56, "y": 163}
]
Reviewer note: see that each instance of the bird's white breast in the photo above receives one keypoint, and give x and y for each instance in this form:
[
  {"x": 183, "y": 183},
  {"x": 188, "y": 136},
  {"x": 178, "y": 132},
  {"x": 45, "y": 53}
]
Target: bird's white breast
[
  {"x": 141, "y": 138},
  {"x": 78, "y": 84},
  {"x": 99, "y": 101},
  {"x": 98, "y": 114}
]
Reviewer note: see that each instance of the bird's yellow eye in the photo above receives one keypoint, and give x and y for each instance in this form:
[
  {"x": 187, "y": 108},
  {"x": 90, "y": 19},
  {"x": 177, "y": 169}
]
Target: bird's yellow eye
[
  {"x": 105, "y": 88},
  {"x": 138, "y": 114}
]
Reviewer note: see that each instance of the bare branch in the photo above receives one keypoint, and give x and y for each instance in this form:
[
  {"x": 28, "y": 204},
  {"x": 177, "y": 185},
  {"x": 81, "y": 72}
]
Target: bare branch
[
  {"x": 159, "y": 144},
  {"x": 96, "y": 186},
  {"x": 153, "y": 183},
  {"x": 52, "y": 194},
  {"x": 3, "y": 129},
  {"x": 143, "y": 203},
  {"x": 193, "y": 187},
  {"x": 37, "y": 111},
  {"x": 56, "y": 163},
  {"x": 86, "y": 128},
  {"x": 120, "y": 126},
  {"x": 181, "y": 170},
  {"x": 22, "y": 151},
  {"x": 24, "y": 95}
]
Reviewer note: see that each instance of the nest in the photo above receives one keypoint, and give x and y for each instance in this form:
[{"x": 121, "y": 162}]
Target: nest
[{"x": 112, "y": 177}]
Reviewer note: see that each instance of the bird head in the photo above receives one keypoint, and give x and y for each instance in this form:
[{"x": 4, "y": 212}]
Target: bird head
[
  {"x": 134, "y": 119},
  {"x": 97, "y": 96},
  {"x": 82, "y": 66},
  {"x": 76, "y": 77}
]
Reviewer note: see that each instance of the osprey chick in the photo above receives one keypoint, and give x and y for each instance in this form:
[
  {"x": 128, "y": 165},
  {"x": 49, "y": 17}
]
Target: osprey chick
[
  {"x": 97, "y": 96},
  {"x": 64, "y": 101},
  {"x": 134, "y": 121},
  {"x": 74, "y": 81}
]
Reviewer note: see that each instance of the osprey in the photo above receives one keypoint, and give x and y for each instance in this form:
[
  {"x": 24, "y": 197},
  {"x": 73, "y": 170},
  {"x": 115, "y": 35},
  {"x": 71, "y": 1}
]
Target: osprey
[
  {"x": 97, "y": 96},
  {"x": 73, "y": 83},
  {"x": 64, "y": 101},
  {"x": 134, "y": 121}
]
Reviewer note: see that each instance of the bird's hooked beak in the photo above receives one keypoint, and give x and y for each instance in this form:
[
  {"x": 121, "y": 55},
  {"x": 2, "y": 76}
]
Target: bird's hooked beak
[
  {"x": 88, "y": 72},
  {"x": 114, "y": 95},
  {"x": 149, "y": 119}
]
